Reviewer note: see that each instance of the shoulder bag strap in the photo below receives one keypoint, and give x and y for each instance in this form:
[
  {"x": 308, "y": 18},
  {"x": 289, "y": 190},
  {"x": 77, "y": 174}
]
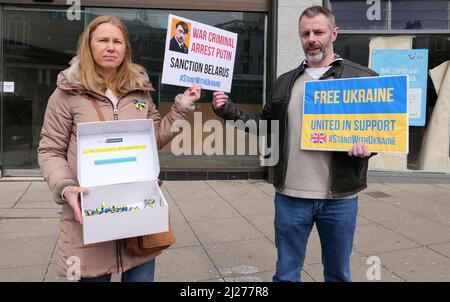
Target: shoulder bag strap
[{"x": 97, "y": 108}]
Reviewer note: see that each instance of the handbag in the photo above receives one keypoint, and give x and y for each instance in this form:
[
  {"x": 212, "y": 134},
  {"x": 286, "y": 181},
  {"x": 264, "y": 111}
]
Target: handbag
[
  {"x": 145, "y": 244},
  {"x": 149, "y": 244}
]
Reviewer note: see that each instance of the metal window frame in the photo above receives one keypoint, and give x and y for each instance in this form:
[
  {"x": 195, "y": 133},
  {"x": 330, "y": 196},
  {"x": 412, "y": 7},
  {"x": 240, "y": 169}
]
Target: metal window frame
[
  {"x": 255, "y": 6},
  {"x": 222, "y": 5}
]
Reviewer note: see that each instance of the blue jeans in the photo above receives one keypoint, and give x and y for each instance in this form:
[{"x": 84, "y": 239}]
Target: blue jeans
[
  {"x": 142, "y": 273},
  {"x": 335, "y": 221}
]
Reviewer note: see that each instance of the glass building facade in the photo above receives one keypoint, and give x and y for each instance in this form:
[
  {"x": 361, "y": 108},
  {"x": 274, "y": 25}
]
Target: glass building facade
[{"x": 38, "y": 41}]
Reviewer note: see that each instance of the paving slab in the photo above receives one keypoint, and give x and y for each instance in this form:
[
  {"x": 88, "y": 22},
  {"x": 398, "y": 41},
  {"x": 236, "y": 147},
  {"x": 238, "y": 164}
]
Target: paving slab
[
  {"x": 184, "y": 235},
  {"x": 37, "y": 205},
  {"x": 185, "y": 190},
  {"x": 52, "y": 275},
  {"x": 245, "y": 198},
  {"x": 28, "y": 228},
  {"x": 418, "y": 265},
  {"x": 264, "y": 224},
  {"x": 26, "y": 251},
  {"x": 422, "y": 230},
  {"x": 264, "y": 186},
  {"x": 223, "y": 230},
  {"x": 188, "y": 264},
  {"x": 360, "y": 220},
  {"x": 239, "y": 258},
  {"x": 305, "y": 277},
  {"x": 223, "y": 235},
  {"x": 313, "y": 248},
  {"x": 32, "y": 273},
  {"x": 443, "y": 218},
  {"x": 256, "y": 277},
  {"x": 443, "y": 186},
  {"x": 419, "y": 206},
  {"x": 442, "y": 248},
  {"x": 200, "y": 203},
  {"x": 373, "y": 239},
  {"x": 175, "y": 214},
  {"x": 11, "y": 192},
  {"x": 359, "y": 270},
  {"x": 377, "y": 211},
  {"x": 30, "y": 213},
  {"x": 37, "y": 191},
  {"x": 428, "y": 191}
]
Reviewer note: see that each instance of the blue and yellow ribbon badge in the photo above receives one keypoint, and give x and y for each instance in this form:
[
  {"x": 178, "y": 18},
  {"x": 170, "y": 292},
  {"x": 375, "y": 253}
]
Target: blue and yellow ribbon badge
[
  {"x": 140, "y": 104},
  {"x": 149, "y": 203}
]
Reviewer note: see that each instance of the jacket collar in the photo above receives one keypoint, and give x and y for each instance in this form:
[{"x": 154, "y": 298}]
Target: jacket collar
[
  {"x": 336, "y": 65},
  {"x": 337, "y": 59}
]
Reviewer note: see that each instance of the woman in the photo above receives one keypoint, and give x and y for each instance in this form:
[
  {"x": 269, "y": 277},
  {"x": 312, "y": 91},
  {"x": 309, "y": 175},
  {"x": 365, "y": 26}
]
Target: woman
[{"x": 102, "y": 74}]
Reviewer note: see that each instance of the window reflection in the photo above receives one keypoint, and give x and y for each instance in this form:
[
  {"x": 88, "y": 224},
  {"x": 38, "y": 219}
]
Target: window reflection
[
  {"x": 147, "y": 29},
  {"x": 34, "y": 54},
  {"x": 420, "y": 14},
  {"x": 356, "y": 48},
  {"x": 356, "y": 15},
  {"x": 37, "y": 45}
]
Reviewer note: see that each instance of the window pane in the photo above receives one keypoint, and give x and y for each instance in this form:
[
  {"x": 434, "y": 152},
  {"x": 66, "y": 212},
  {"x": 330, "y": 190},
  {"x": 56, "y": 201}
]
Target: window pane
[
  {"x": 147, "y": 29},
  {"x": 354, "y": 15},
  {"x": 37, "y": 45},
  {"x": 33, "y": 55},
  {"x": 420, "y": 14},
  {"x": 356, "y": 48}
]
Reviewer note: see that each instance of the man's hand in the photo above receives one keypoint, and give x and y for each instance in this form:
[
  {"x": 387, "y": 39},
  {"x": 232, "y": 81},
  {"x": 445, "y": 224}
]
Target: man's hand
[
  {"x": 71, "y": 194},
  {"x": 359, "y": 150},
  {"x": 219, "y": 99},
  {"x": 192, "y": 94}
]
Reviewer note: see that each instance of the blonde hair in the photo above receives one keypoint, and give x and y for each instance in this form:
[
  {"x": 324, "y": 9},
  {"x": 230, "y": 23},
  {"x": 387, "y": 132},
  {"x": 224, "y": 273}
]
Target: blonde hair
[{"x": 127, "y": 76}]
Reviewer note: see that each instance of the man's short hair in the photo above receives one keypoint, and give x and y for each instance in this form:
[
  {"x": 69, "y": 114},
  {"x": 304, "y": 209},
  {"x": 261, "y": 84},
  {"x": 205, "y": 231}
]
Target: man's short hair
[
  {"x": 183, "y": 25},
  {"x": 315, "y": 10}
]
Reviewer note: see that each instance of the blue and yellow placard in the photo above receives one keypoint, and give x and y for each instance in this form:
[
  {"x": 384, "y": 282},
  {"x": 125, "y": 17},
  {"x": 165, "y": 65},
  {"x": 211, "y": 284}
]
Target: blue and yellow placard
[{"x": 339, "y": 113}]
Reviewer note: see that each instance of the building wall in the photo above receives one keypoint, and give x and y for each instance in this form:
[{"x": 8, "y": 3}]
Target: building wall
[{"x": 289, "y": 51}]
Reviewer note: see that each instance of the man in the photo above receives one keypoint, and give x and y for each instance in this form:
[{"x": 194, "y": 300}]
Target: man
[
  {"x": 177, "y": 43},
  {"x": 311, "y": 186}
]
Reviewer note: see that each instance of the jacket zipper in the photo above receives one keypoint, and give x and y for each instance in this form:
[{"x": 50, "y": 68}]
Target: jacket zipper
[
  {"x": 116, "y": 112},
  {"x": 116, "y": 106}
]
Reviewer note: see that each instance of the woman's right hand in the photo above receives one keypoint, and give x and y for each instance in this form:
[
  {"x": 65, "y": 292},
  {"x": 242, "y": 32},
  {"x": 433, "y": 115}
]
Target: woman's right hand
[
  {"x": 192, "y": 94},
  {"x": 71, "y": 194}
]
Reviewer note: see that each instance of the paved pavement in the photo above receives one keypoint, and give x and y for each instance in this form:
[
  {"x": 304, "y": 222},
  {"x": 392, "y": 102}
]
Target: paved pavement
[{"x": 224, "y": 232}]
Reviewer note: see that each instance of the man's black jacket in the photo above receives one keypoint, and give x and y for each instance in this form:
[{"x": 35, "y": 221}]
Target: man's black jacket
[{"x": 348, "y": 173}]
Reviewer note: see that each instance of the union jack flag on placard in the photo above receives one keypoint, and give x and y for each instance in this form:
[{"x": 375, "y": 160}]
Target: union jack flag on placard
[{"x": 320, "y": 138}]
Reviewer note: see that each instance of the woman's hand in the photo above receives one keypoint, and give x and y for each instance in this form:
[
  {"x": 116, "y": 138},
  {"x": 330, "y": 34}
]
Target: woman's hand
[
  {"x": 71, "y": 194},
  {"x": 192, "y": 94}
]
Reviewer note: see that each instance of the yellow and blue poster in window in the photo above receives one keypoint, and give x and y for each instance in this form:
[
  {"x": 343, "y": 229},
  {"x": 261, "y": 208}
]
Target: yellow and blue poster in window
[
  {"x": 339, "y": 113},
  {"x": 413, "y": 62}
]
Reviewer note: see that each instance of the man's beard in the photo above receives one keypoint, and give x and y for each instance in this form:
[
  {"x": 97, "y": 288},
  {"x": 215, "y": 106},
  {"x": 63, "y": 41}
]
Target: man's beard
[{"x": 318, "y": 57}]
